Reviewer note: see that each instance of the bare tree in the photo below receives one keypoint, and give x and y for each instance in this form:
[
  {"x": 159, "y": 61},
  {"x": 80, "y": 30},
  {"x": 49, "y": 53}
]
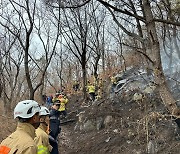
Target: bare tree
[
  {"x": 19, "y": 19},
  {"x": 10, "y": 70},
  {"x": 97, "y": 37},
  {"x": 76, "y": 36},
  {"x": 138, "y": 20},
  {"x": 152, "y": 43},
  {"x": 24, "y": 39},
  {"x": 48, "y": 33}
]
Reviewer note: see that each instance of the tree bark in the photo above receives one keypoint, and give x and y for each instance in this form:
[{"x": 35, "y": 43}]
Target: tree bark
[
  {"x": 83, "y": 65},
  {"x": 84, "y": 82},
  {"x": 160, "y": 80}
]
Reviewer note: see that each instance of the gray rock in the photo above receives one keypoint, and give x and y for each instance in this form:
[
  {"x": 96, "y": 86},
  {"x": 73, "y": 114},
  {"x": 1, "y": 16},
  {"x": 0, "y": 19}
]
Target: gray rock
[
  {"x": 99, "y": 123},
  {"x": 89, "y": 125},
  {"x": 108, "y": 120}
]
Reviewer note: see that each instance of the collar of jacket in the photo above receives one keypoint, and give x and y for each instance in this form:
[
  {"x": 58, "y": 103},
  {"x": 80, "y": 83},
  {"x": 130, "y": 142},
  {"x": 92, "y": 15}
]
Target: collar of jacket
[{"x": 28, "y": 128}]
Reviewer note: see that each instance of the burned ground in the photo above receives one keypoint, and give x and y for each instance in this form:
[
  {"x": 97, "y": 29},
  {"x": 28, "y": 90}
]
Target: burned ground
[
  {"x": 135, "y": 127},
  {"x": 128, "y": 126}
]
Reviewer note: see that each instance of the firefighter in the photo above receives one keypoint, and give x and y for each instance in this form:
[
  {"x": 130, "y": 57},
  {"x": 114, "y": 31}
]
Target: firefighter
[
  {"x": 55, "y": 128},
  {"x": 42, "y": 137},
  {"x": 91, "y": 91},
  {"x": 113, "y": 84},
  {"x": 63, "y": 101},
  {"x": 22, "y": 140},
  {"x": 76, "y": 86},
  {"x": 56, "y": 97}
]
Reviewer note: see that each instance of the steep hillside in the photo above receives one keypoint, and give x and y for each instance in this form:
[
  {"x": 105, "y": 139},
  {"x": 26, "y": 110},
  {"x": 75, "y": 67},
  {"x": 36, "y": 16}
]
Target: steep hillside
[{"x": 120, "y": 125}]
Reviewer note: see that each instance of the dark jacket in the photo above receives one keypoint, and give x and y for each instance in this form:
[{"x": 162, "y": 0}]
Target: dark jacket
[{"x": 54, "y": 123}]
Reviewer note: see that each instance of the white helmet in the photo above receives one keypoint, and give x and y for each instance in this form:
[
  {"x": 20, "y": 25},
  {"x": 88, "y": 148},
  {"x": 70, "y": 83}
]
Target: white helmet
[
  {"x": 26, "y": 109},
  {"x": 57, "y": 94},
  {"x": 44, "y": 111}
]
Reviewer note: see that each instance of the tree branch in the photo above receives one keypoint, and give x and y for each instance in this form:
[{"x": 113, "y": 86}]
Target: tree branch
[{"x": 70, "y": 7}]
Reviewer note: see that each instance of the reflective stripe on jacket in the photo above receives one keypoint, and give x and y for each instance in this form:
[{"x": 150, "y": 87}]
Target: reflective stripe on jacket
[
  {"x": 42, "y": 150},
  {"x": 42, "y": 140},
  {"x": 22, "y": 140}
]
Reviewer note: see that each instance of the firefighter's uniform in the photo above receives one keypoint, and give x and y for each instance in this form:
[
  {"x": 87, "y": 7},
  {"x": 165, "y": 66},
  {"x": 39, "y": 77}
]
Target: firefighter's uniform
[
  {"x": 55, "y": 129},
  {"x": 63, "y": 102},
  {"x": 113, "y": 84},
  {"x": 42, "y": 140},
  {"x": 91, "y": 91},
  {"x": 21, "y": 141}
]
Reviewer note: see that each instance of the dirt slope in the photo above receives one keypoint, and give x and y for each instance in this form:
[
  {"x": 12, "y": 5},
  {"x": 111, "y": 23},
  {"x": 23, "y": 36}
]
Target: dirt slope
[{"x": 136, "y": 127}]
